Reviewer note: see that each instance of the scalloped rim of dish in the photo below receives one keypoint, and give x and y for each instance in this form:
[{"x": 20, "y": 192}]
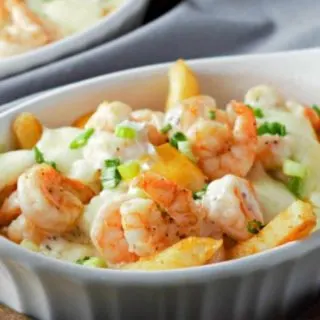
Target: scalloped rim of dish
[
  {"x": 56, "y": 45},
  {"x": 230, "y": 268}
]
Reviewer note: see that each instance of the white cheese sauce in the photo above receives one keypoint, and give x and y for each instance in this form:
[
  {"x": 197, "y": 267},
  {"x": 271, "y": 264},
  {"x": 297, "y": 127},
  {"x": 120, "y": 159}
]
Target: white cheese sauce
[
  {"x": 55, "y": 146},
  {"x": 104, "y": 145},
  {"x": 60, "y": 248},
  {"x": 13, "y": 164}
]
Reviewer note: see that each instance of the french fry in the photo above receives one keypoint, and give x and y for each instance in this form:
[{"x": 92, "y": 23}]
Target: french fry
[
  {"x": 189, "y": 252},
  {"x": 27, "y": 130},
  {"x": 81, "y": 122},
  {"x": 294, "y": 223},
  {"x": 175, "y": 166},
  {"x": 183, "y": 83}
]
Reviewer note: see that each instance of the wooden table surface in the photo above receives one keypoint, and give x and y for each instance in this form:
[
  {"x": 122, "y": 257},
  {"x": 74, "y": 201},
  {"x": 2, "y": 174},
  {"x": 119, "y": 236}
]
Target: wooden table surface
[
  {"x": 312, "y": 313},
  {"x": 157, "y": 8}
]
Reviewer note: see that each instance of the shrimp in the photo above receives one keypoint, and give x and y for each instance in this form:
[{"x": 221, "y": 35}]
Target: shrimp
[
  {"x": 273, "y": 150},
  {"x": 231, "y": 203},
  {"x": 108, "y": 116},
  {"x": 264, "y": 97},
  {"x": 176, "y": 201},
  {"x": 223, "y": 148},
  {"x": 313, "y": 117},
  {"x": 22, "y": 29},
  {"x": 129, "y": 228},
  {"x": 184, "y": 115},
  {"x": 22, "y": 228},
  {"x": 107, "y": 234},
  {"x": 10, "y": 209},
  {"x": 154, "y": 121},
  {"x": 145, "y": 228},
  {"x": 49, "y": 200}
]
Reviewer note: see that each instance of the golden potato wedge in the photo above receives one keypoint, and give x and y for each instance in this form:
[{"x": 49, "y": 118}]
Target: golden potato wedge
[
  {"x": 294, "y": 223},
  {"x": 81, "y": 122},
  {"x": 183, "y": 83},
  {"x": 189, "y": 252},
  {"x": 175, "y": 166},
  {"x": 27, "y": 130}
]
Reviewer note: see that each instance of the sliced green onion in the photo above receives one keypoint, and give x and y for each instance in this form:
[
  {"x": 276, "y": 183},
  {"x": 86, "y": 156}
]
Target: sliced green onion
[
  {"x": 95, "y": 262},
  {"x": 129, "y": 170},
  {"x": 316, "y": 109},
  {"x": 38, "y": 155},
  {"x": 185, "y": 148},
  {"x": 178, "y": 136},
  {"x": 198, "y": 195},
  {"x": 295, "y": 186},
  {"x": 52, "y": 164},
  {"x": 273, "y": 128},
  {"x": 112, "y": 163},
  {"x": 30, "y": 245},
  {"x": 82, "y": 139},
  {"x": 110, "y": 176},
  {"x": 254, "y": 226},
  {"x": 294, "y": 169},
  {"x": 39, "y": 158},
  {"x": 82, "y": 260},
  {"x": 125, "y": 132},
  {"x": 258, "y": 113},
  {"x": 212, "y": 115},
  {"x": 165, "y": 129}
]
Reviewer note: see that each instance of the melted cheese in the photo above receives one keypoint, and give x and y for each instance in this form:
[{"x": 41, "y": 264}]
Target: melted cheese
[
  {"x": 65, "y": 250},
  {"x": 54, "y": 144},
  {"x": 96, "y": 203}
]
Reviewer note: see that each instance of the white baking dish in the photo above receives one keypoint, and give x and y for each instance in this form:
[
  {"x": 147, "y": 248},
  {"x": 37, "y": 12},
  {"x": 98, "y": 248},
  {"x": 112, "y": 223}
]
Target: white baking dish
[
  {"x": 264, "y": 286},
  {"x": 123, "y": 19}
]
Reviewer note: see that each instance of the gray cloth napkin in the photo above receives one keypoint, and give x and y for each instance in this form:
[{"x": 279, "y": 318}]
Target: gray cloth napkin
[{"x": 195, "y": 28}]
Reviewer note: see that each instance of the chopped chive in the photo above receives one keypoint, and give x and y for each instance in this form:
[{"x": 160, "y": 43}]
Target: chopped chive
[
  {"x": 254, "y": 226},
  {"x": 165, "y": 129},
  {"x": 39, "y": 158},
  {"x": 258, "y": 112},
  {"x": 82, "y": 139},
  {"x": 110, "y": 176},
  {"x": 125, "y": 132},
  {"x": 38, "y": 155},
  {"x": 52, "y": 164},
  {"x": 316, "y": 109},
  {"x": 294, "y": 169},
  {"x": 95, "y": 262},
  {"x": 212, "y": 115},
  {"x": 112, "y": 163},
  {"x": 198, "y": 195},
  {"x": 82, "y": 260},
  {"x": 295, "y": 185},
  {"x": 273, "y": 128},
  {"x": 178, "y": 136}
]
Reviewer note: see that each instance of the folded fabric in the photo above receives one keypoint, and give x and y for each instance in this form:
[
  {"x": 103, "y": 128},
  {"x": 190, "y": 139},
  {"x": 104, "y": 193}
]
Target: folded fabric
[{"x": 195, "y": 28}]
